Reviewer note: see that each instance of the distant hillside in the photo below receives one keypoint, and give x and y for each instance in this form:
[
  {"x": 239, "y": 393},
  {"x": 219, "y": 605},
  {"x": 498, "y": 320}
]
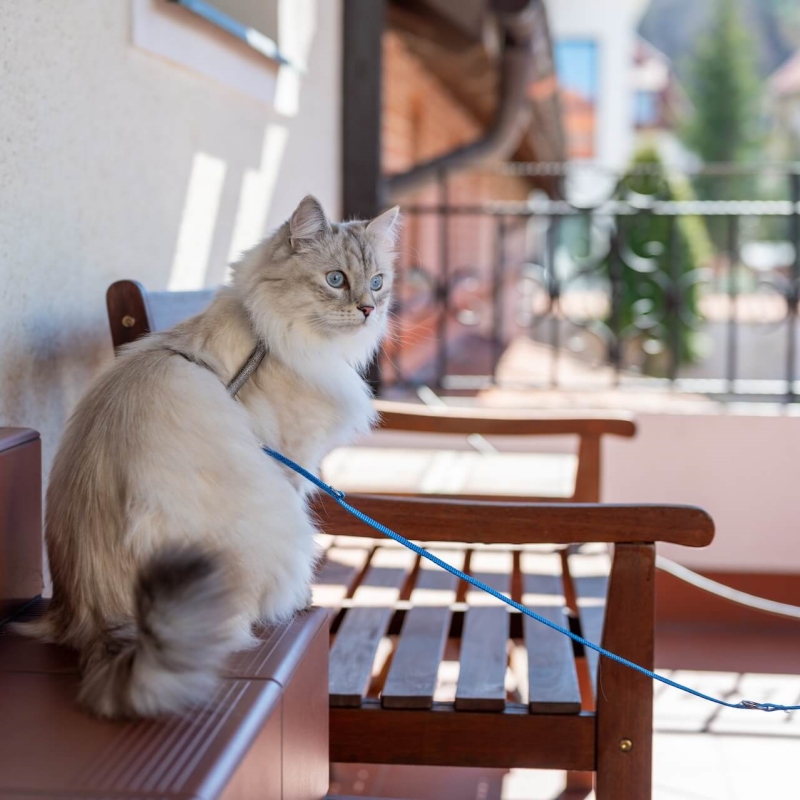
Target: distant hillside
[{"x": 674, "y": 25}]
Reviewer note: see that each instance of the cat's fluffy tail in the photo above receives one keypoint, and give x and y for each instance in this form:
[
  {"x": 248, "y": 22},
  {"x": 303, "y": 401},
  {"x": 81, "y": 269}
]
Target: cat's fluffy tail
[{"x": 171, "y": 657}]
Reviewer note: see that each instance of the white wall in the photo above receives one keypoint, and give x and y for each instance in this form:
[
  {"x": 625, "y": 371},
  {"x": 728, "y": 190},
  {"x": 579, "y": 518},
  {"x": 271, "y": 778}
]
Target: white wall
[
  {"x": 117, "y": 163},
  {"x": 612, "y": 24},
  {"x": 741, "y": 467}
]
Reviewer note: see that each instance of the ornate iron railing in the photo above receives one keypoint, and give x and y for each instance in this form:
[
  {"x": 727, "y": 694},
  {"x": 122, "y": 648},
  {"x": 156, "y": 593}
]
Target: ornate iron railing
[{"x": 632, "y": 288}]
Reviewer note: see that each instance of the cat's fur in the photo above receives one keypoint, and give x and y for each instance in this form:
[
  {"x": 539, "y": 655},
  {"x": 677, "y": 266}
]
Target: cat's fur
[{"x": 169, "y": 532}]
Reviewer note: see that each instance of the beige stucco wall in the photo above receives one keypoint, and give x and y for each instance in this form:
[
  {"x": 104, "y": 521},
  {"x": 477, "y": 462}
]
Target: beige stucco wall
[{"x": 115, "y": 162}]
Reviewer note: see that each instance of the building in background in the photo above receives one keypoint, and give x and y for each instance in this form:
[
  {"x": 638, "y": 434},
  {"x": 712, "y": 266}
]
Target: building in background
[
  {"x": 595, "y": 48},
  {"x": 617, "y": 89},
  {"x": 441, "y": 87},
  {"x": 660, "y": 104},
  {"x": 783, "y": 106}
]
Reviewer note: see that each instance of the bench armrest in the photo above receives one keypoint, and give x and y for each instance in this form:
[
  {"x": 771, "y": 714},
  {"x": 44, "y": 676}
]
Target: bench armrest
[
  {"x": 472, "y": 521},
  {"x": 498, "y": 421}
]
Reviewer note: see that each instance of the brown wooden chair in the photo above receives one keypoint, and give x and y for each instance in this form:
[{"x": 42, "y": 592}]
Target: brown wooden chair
[{"x": 425, "y": 671}]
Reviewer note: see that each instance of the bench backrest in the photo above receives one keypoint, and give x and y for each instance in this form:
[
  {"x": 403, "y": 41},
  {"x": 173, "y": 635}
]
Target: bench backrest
[{"x": 134, "y": 312}]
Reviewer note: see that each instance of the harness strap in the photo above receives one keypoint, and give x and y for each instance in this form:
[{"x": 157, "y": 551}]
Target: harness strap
[
  {"x": 250, "y": 366},
  {"x": 191, "y": 359}
]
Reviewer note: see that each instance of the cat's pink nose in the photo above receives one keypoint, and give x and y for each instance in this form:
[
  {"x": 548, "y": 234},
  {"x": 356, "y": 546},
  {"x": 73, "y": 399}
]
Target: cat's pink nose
[{"x": 366, "y": 310}]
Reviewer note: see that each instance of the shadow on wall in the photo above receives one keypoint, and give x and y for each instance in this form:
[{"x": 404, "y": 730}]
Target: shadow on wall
[
  {"x": 134, "y": 167},
  {"x": 44, "y": 374}
]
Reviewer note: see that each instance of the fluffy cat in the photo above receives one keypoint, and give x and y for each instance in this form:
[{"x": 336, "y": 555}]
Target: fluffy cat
[{"x": 169, "y": 533}]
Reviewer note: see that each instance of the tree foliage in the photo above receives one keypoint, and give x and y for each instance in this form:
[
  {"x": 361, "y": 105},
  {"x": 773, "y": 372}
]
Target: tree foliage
[
  {"x": 652, "y": 273},
  {"x": 724, "y": 88}
]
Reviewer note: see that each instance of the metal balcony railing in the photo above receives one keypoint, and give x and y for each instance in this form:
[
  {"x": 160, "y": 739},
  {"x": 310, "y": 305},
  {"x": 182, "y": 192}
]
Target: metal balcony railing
[{"x": 647, "y": 280}]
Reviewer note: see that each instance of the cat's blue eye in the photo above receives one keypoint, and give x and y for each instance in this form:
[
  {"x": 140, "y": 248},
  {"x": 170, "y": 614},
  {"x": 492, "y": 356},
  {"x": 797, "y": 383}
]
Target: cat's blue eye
[
  {"x": 376, "y": 282},
  {"x": 335, "y": 279}
]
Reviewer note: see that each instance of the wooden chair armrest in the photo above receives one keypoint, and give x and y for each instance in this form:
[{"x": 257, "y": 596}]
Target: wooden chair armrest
[
  {"x": 498, "y": 421},
  {"x": 472, "y": 521}
]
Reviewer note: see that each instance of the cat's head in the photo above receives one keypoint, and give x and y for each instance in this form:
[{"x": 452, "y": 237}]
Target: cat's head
[{"x": 317, "y": 282}]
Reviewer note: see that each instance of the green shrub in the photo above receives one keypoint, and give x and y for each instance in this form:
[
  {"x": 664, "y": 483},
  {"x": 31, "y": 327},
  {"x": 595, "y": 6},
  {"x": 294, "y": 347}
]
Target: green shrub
[{"x": 646, "y": 277}]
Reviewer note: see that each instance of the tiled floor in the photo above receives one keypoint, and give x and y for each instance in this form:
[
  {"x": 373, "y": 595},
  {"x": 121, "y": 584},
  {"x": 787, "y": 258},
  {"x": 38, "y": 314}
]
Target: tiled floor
[{"x": 701, "y": 752}]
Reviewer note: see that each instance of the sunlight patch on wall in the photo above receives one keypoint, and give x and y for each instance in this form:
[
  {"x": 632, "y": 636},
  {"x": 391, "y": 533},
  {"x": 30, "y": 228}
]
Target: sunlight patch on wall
[
  {"x": 287, "y": 92},
  {"x": 297, "y": 24},
  {"x": 255, "y": 198},
  {"x": 200, "y": 209}
]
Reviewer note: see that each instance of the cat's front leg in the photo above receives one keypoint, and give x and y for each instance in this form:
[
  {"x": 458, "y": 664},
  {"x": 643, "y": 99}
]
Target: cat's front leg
[{"x": 309, "y": 598}]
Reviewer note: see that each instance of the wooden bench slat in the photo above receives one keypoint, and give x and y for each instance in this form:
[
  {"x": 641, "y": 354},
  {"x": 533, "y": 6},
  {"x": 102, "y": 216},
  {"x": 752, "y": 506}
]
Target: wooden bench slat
[
  {"x": 363, "y": 627},
  {"x": 590, "y": 571},
  {"x": 412, "y": 676},
  {"x": 435, "y": 586},
  {"x": 484, "y": 640},
  {"x": 552, "y": 676},
  {"x": 388, "y": 571},
  {"x": 493, "y": 567},
  {"x": 353, "y": 653},
  {"x": 483, "y": 660}
]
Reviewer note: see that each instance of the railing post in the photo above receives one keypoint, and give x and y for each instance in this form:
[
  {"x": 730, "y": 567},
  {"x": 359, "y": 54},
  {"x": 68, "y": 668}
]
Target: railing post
[
  {"x": 794, "y": 287},
  {"x": 554, "y": 295},
  {"x": 617, "y": 287},
  {"x": 497, "y": 295},
  {"x": 443, "y": 288},
  {"x": 733, "y": 331},
  {"x": 674, "y": 299}
]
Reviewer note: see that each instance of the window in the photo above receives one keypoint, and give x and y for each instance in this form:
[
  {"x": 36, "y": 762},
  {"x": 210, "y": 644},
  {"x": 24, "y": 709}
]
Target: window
[
  {"x": 225, "y": 48},
  {"x": 576, "y": 67},
  {"x": 645, "y": 109},
  {"x": 252, "y": 22}
]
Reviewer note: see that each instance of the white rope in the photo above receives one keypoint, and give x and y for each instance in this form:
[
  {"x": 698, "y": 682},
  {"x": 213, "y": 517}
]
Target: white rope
[
  {"x": 726, "y": 592},
  {"x": 479, "y": 443}
]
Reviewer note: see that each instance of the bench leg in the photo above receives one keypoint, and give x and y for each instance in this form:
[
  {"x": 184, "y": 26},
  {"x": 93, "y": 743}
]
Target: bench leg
[{"x": 625, "y": 697}]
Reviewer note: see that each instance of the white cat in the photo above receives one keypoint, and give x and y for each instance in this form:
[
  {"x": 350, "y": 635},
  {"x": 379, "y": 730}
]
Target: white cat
[{"x": 169, "y": 532}]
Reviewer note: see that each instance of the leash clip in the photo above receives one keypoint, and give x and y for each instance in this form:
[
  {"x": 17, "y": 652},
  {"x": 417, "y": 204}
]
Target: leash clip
[{"x": 751, "y": 705}]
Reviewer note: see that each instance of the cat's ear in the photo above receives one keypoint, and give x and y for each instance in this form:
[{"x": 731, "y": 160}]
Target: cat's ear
[
  {"x": 308, "y": 221},
  {"x": 386, "y": 227}
]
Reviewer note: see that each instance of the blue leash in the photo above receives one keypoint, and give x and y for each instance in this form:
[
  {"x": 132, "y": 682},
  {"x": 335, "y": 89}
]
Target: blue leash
[{"x": 339, "y": 496}]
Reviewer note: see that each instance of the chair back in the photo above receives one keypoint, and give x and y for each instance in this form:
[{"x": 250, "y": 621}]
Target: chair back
[{"x": 134, "y": 312}]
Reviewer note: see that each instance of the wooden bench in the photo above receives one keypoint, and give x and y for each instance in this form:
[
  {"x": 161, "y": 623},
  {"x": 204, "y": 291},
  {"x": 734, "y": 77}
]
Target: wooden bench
[
  {"x": 425, "y": 671},
  {"x": 263, "y": 734}
]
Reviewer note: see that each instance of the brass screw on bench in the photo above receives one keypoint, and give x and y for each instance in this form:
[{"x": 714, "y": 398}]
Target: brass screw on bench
[
  {"x": 626, "y": 745},
  {"x": 128, "y": 321}
]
